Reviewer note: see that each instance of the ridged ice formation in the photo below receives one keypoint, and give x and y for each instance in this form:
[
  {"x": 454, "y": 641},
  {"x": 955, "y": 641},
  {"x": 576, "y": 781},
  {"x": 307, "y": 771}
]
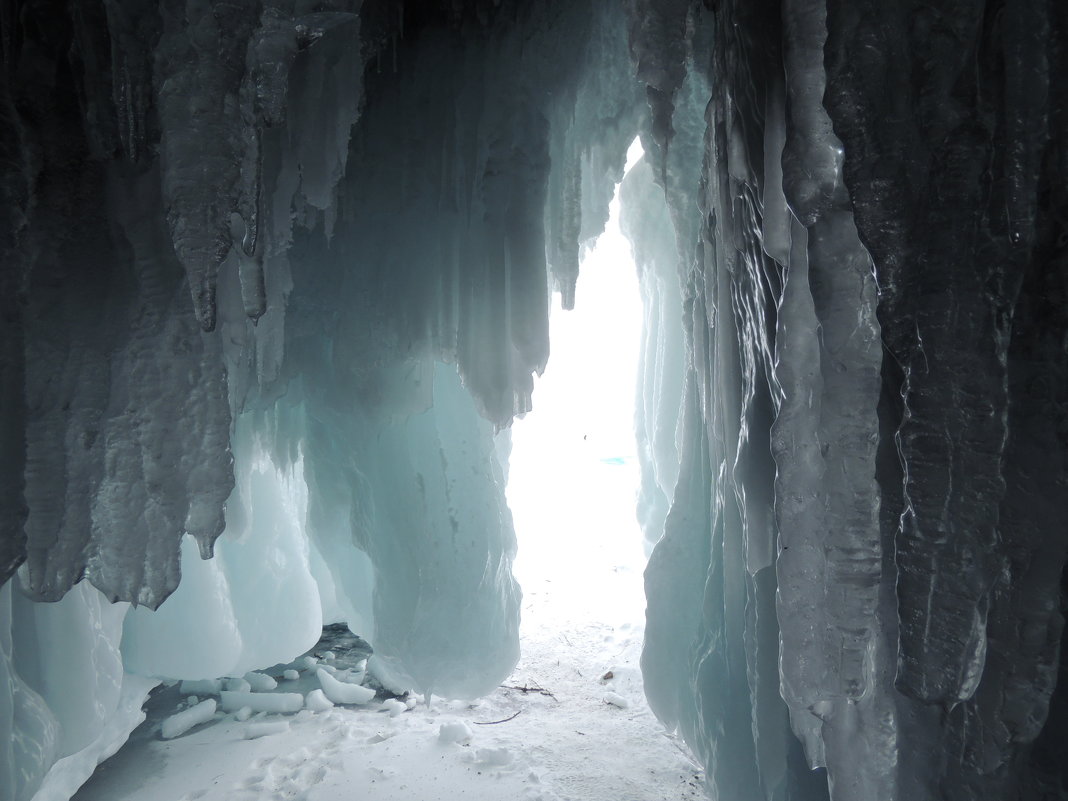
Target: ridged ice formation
[
  {"x": 874, "y": 425},
  {"x": 274, "y": 271}
]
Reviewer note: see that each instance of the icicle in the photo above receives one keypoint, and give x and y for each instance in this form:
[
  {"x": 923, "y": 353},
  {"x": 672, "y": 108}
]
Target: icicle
[{"x": 250, "y": 268}]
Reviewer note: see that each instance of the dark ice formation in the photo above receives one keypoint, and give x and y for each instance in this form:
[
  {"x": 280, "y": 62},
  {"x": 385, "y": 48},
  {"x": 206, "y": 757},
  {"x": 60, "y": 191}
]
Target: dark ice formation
[{"x": 292, "y": 260}]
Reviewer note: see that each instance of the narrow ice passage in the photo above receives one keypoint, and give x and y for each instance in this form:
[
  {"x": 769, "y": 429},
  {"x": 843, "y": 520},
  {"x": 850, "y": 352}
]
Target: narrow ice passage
[
  {"x": 573, "y": 475},
  {"x": 571, "y": 722}
]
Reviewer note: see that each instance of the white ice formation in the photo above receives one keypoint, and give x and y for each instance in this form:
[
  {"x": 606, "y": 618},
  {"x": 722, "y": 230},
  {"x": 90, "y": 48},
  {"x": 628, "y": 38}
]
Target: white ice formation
[
  {"x": 273, "y": 272},
  {"x": 181, "y": 722},
  {"x": 340, "y": 692}
]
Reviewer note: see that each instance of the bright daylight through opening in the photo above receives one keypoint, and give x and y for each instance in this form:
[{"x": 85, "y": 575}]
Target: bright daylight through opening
[
  {"x": 572, "y": 488},
  {"x": 573, "y": 474}
]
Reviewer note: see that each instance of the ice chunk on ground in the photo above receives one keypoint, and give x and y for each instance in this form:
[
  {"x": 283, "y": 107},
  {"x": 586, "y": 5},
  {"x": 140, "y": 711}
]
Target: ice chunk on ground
[
  {"x": 181, "y": 722},
  {"x": 394, "y": 707},
  {"x": 238, "y": 685},
  {"x": 317, "y": 702},
  {"x": 256, "y": 730},
  {"x": 350, "y": 676},
  {"x": 355, "y": 675},
  {"x": 290, "y": 675},
  {"x": 200, "y": 687},
  {"x": 243, "y": 714},
  {"x": 341, "y": 692},
  {"x": 260, "y": 682},
  {"x": 261, "y": 702},
  {"x": 615, "y": 699}
]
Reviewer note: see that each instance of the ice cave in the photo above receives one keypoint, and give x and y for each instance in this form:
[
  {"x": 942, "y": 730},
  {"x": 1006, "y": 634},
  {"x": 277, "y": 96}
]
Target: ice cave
[{"x": 275, "y": 283}]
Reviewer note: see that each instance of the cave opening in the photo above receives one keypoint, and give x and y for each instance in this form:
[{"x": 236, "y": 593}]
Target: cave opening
[{"x": 573, "y": 473}]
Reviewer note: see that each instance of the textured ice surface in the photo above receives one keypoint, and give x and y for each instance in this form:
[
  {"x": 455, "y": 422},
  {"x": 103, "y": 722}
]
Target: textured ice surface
[
  {"x": 229, "y": 330},
  {"x": 67, "y": 704},
  {"x": 221, "y": 622},
  {"x": 864, "y": 307}
]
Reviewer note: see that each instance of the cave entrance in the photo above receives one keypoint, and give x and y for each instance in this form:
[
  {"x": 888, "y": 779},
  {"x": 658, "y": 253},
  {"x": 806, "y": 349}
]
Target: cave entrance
[{"x": 573, "y": 478}]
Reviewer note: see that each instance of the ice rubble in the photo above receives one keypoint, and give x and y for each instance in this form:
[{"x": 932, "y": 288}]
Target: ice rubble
[
  {"x": 291, "y": 269},
  {"x": 181, "y": 722}
]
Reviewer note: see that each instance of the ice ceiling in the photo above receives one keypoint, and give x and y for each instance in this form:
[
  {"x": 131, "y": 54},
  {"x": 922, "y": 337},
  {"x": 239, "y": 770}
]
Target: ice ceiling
[{"x": 273, "y": 272}]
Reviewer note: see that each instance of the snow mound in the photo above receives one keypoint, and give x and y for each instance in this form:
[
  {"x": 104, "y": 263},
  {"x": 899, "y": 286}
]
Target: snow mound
[
  {"x": 615, "y": 699},
  {"x": 455, "y": 731}
]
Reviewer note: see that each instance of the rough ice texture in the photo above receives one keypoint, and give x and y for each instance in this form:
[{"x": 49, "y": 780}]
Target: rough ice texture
[
  {"x": 275, "y": 271},
  {"x": 881, "y": 234}
]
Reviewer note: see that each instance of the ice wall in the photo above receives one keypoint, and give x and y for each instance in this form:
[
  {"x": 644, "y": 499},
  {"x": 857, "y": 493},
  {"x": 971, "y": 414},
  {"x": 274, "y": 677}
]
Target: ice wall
[
  {"x": 67, "y": 704},
  {"x": 881, "y": 231}
]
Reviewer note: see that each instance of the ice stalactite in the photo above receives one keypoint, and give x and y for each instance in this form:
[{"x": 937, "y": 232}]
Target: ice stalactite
[
  {"x": 657, "y": 36},
  {"x": 834, "y": 650}
]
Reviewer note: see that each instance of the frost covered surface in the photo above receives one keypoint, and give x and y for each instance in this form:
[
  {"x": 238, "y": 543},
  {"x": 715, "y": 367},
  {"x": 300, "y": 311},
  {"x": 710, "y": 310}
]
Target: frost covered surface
[{"x": 274, "y": 272}]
